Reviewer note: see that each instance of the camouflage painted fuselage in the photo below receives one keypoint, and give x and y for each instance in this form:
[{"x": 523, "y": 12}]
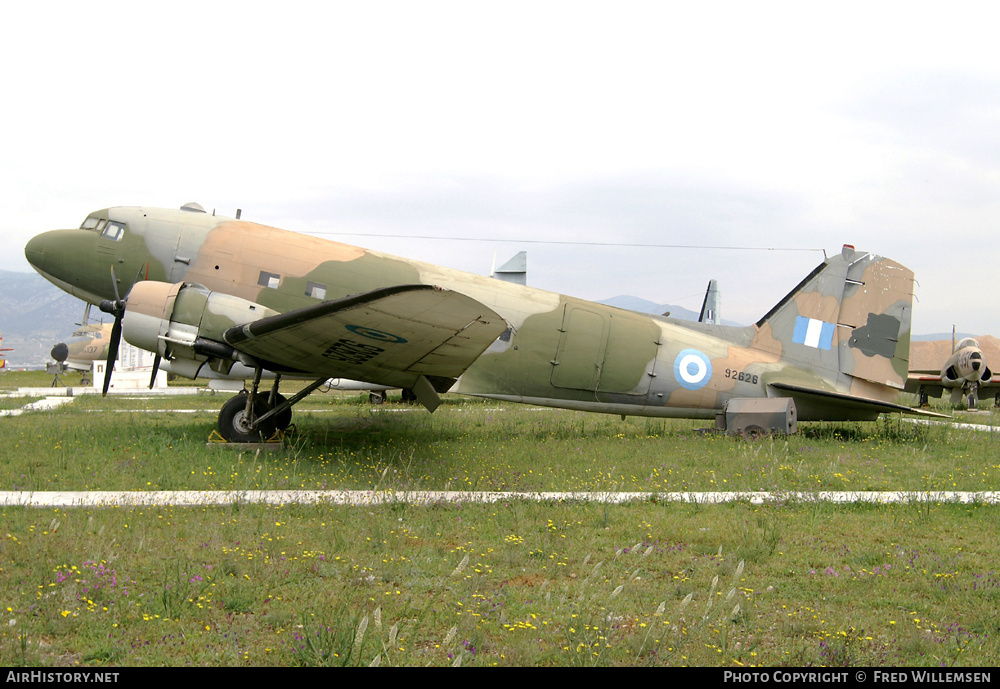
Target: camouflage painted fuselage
[{"x": 844, "y": 332}]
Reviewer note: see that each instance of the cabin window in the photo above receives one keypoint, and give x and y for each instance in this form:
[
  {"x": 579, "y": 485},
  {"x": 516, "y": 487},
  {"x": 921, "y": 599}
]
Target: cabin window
[
  {"x": 113, "y": 230},
  {"x": 267, "y": 279},
  {"x": 315, "y": 290}
]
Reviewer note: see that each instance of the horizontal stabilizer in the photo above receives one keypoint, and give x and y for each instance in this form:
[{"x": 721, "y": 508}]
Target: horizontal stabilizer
[{"x": 824, "y": 405}]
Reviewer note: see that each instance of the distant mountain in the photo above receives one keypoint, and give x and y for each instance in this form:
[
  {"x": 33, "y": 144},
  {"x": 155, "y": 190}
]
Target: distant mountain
[
  {"x": 625, "y": 301},
  {"x": 34, "y": 315},
  {"x": 631, "y": 303},
  {"x": 939, "y": 336},
  {"x": 930, "y": 355}
]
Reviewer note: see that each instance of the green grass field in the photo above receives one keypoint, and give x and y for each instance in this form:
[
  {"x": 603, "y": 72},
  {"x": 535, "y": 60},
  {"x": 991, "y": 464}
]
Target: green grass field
[{"x": 510, "y": 583}]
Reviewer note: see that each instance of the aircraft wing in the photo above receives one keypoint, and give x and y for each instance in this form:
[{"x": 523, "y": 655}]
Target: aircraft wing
[
  {"x": 916, "y": 379},
  {"x": 825, "y": 405},
  {"x": 390, "y": 336},
  {"x": 933, "y": 381}
]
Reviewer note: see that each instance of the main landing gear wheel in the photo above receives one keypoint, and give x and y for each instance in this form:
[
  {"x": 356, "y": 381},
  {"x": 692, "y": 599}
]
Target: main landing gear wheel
[
  {"x": 283, "y": 420},
  {"x": 234, "y": 425}
]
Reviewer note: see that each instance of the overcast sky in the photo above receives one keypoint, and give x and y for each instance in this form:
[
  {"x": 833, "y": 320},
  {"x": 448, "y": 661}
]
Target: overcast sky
[{"x": 780, "y": 129}]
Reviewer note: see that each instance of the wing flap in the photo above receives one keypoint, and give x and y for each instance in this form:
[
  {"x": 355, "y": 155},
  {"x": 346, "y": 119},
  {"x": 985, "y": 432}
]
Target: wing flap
[{"x": 389, "y": 336}]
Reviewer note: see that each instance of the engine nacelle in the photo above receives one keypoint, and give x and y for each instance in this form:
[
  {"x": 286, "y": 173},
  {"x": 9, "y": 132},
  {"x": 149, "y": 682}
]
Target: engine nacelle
[
  {"x": 169, "y": 318},
  {"x": 950, "y": 374}
]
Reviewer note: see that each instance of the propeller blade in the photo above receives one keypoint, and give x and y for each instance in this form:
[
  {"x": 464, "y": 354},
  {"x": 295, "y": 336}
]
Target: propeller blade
[
  {"x": 116, "y": 337},
  {"x": 115, "y": 308},
  {"x": 156, "y": 367},
  {"x": 114, "y": 284}
]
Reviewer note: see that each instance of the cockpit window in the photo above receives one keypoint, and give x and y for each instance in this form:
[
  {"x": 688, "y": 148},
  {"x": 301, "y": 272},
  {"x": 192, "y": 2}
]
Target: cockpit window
[
  {"x": 109, "y": 229},
  {"x": 93, "y": 223},
  {"x": 113, "y": 230},
  {"x": 968, "y": 342}
]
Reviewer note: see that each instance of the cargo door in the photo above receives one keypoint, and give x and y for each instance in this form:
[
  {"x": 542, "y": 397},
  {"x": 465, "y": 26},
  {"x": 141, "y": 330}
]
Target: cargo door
[
  {"x": 630, "y": 354},
  {"x": 580, "y": 354}
]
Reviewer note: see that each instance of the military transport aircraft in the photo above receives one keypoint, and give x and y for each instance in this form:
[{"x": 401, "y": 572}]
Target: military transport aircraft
[
  {"x": 89, "y": 343},
  {"x": 965, "y": 373},
  {"x": 243, "y": 299}
]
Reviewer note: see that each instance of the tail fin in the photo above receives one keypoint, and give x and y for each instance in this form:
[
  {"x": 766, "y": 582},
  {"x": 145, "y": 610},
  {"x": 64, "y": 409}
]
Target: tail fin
[
  {"x": 515, "y": 270},
  {"x": 851, "y": 315},
  {"x": 710, "y": 307}
]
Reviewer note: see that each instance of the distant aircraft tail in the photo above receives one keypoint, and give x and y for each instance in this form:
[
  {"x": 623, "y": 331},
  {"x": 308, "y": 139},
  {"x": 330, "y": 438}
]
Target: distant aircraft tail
[
  {"x": 515, "y": 270},
  {"x": 851, "y": 316},
  {"x": 711, "y": 306}
]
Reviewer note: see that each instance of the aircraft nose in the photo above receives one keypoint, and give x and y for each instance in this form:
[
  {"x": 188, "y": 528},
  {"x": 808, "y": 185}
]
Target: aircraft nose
[
  {"x": 34, "y": 250},
  {"x": 60, "y": 352},
  {"x": 47, "y": 252},
  {"x": 71, "y": 260}
]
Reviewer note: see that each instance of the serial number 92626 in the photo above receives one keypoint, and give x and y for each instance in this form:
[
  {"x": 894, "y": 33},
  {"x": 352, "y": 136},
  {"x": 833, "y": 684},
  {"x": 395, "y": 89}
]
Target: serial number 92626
[{"x": 741, "y": 376}]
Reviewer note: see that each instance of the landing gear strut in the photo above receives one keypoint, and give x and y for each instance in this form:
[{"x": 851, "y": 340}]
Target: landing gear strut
[
  {"x": 973, "y": 397},
  {"x": 252, "y": 417},
  {"x": 283, "y": 415}
]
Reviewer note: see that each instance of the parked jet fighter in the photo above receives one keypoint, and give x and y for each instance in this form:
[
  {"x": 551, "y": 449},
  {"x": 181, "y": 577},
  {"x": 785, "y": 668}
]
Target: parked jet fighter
[
  {"x": 966, "y": 374},
  {"x": 236, "y": 297}
]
